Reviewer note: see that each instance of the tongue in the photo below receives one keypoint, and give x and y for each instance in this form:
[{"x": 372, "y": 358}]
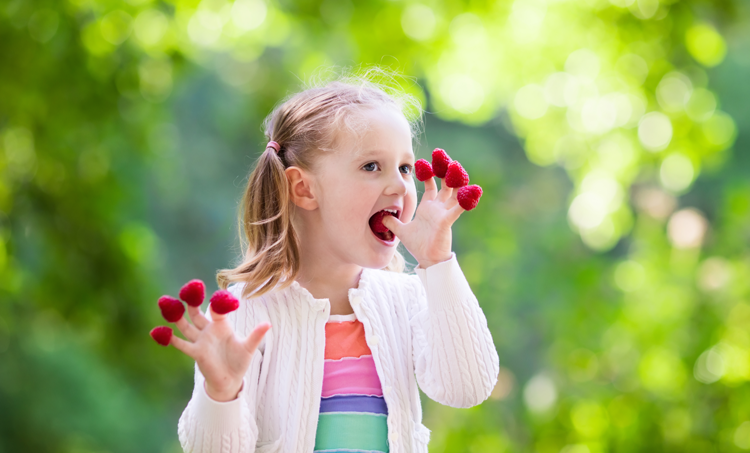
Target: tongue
[{"x": 376, "y": 225}]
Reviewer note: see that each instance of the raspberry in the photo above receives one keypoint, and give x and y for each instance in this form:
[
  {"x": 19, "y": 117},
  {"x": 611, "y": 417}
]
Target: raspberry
[
  {"x": 456, "y": 176},
  {"x": 423, "y": 170},
  {"x": 468, "y": 196},
  {"x": 193, "y": 292},
  {"x": 171, "y": 308},
  {"x": 222, "y": 302},
  {"x": 376, "y": 222},
  {"x": 440, "y": 161},
  {"x": 162, "y": 335}
]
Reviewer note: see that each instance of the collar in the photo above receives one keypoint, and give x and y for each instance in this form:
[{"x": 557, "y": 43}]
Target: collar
[{"x": 356, "y": 295}]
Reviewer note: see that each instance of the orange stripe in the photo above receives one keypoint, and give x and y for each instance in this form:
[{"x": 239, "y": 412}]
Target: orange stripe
[{"x": 345, "y": 339}]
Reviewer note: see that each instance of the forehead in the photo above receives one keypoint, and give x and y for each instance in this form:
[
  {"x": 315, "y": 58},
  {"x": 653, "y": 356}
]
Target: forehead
[{"x": 386, "y": 132}]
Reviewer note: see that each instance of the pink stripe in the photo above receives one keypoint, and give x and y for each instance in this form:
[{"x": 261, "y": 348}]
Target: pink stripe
[{"x": 351, "y": 375}]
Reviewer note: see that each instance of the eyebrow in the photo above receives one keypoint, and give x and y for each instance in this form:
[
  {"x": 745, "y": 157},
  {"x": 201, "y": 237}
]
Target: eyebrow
[{"x": 374, "y": 152}]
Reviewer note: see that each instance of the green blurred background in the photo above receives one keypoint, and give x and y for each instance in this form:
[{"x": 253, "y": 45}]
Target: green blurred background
[{"x": 610, "y": 252}]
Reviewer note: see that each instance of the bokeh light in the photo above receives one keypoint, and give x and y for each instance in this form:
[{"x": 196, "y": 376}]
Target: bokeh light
[
  {"x": 540, "y": 393},
  {"x": 530, "y": 102},
  {"x": 418, "y": 22},
  {"x": 655, "y": 131},
  {"x": 676, "y": 172},
  {"x": 687, "y": 228},
  {"x": 705, "y": 44}
]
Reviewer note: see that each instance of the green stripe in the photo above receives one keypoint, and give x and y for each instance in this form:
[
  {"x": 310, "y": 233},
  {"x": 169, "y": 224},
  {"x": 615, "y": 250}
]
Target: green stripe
[{"x": 353, "y": 430}]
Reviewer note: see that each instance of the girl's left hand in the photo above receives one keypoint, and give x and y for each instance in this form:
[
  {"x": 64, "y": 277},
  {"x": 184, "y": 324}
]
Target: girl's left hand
[{"x": 428, "y": 236}]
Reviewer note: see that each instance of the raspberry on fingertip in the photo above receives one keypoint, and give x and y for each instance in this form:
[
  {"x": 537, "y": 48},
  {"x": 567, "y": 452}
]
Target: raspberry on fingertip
[
  {"x": 171, "y": 308},
  {"x": 440, "y": 161},
  {"x": 468, "y": 196},
  {"x": 162, "y": 335},
  {"x": 456, "y": 176},
  {"x": 423, "y": 170},
  {"x": 193, "y": 292},
  {"x": 223, "y": 302}
]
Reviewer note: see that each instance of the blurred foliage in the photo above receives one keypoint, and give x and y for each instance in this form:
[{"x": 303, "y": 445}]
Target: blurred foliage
[{"x": 610, "y": 251}]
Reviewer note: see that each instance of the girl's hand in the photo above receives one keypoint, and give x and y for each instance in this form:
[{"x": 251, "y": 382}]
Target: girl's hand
[
  {"x": 428, "y": 236},
  {"x": 222, "y": 357}
]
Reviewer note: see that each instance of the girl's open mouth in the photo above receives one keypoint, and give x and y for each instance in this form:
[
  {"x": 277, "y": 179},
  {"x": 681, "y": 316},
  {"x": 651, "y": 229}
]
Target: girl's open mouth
[{"x": 380, "y": 230}]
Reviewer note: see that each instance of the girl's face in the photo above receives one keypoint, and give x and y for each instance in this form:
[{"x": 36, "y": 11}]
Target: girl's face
[{"x": 356, "y": 182}]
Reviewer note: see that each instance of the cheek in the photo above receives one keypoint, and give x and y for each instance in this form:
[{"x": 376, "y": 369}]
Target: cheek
[
  {"x": 349, "y": 214},
  {"x": 410, "y": 202},
  {"x": 353, "y": 205}
]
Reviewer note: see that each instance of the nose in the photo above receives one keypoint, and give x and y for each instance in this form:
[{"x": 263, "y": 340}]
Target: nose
[{"x": 396, "y": 184}]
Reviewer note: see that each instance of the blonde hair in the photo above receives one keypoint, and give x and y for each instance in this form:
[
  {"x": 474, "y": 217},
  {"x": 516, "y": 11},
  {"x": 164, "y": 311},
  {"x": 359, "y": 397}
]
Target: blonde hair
[{"x": 304, "y": 124}]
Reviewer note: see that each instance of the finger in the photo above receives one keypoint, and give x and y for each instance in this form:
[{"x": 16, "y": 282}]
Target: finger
[
  {"x": 184, "y": 346},
  {"x": 445, "y": 192},
  {"x": 453, "y": 200},
  {"x": 217, "y": 317},
  {"x": 197, "y": 317},
  {"x": 393, "y": 224},
  {"x": 253, "y": 340},
  {"x": 455, "y": 212},
  {"x": 430, "y": 189},
  {"x": 223, "y": 302},
  {"x": 188, "y": 330}
]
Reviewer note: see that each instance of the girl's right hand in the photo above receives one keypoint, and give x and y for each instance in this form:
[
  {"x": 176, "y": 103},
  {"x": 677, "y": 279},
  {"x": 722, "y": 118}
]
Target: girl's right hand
[{"x": 222, "y": 357}]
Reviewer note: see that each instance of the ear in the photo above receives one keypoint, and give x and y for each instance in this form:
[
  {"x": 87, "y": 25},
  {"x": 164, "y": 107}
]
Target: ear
[{"x": 300, "y": 184}]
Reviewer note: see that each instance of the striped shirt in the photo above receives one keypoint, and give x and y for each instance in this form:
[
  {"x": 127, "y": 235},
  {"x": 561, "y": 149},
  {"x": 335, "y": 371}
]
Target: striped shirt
[{"x": 352, "y": 416}]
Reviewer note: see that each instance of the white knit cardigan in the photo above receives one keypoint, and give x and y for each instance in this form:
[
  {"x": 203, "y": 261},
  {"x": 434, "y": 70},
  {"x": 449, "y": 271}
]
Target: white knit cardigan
[{"x": 429, "y": 324}]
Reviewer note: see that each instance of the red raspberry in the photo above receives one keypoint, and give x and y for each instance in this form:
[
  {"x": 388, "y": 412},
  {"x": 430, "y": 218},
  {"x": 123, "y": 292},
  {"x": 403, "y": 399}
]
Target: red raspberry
[
  {"x": 440, "y": 161},
  {"x": 193, "y": 293},
  {"x": 456, "y": 176},
  {"x": 222, "y": 302},
  {"x": 376, "y": 222},
  {"x": 423, "y": 170},
  {"x": 171, "y": 308},
  {"x": 468, "y": 196},
  {"x": 162, "y": 335}
]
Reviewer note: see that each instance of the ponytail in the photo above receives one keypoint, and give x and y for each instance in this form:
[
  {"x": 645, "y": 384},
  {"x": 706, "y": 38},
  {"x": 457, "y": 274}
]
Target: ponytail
[{"x": 269, "y": 242}]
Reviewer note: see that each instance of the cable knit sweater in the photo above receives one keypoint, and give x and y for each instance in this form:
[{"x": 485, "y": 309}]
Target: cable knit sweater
[{"x": 429, "y": 326}]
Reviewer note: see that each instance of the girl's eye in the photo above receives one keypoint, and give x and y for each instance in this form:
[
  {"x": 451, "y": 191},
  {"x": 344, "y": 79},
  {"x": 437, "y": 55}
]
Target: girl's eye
[{"x": 406, "y": 169}]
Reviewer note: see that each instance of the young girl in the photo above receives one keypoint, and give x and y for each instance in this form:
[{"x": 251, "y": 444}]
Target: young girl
[{"x": 351, "y": 330}]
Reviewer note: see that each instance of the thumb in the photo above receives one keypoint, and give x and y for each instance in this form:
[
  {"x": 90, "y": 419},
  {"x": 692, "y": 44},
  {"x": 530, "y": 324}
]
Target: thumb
[
  {"x": 253, "y": 340},
  {"x": 392, "y": 224}
]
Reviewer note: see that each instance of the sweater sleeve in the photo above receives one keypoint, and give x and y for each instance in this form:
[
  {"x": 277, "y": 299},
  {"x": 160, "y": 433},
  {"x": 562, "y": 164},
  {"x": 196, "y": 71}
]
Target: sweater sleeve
[
  {"x": 210, "y": 426},
  {"x": 455, "y": 358}
]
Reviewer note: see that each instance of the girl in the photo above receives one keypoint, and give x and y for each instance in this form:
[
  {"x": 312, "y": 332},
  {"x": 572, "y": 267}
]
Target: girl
[{"x": 350, "y": 328}]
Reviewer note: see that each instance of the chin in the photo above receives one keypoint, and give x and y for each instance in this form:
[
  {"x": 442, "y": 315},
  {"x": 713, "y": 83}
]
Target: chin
[{"x": 380, "y": 260}]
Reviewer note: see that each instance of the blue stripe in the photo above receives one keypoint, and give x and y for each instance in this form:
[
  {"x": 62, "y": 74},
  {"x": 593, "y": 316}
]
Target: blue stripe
[
  {"x": 354, "y": 403},
  {"x": 348, "y": 450}
]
